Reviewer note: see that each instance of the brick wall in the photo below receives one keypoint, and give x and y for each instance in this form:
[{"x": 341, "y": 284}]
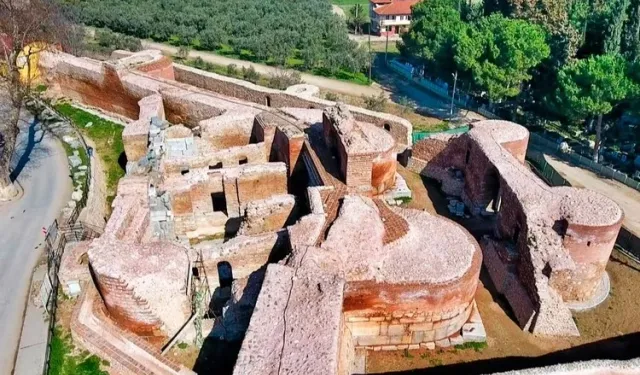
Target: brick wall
[
  {"x": 126, "y": 309},
  {"x": 252, "y": 184},
  {"x": 400, "y": 129}
]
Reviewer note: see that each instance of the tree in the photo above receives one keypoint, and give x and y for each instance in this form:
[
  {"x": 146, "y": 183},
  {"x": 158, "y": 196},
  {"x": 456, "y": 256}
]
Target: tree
[
  {"x": 592, "y": 87},
  {"x": 26, "y": 28},
  {"x": 615, "y": 19},
  {"x": 498, "y": 54},
  {"x": 357, "y": 17},
  {"x": 433, "y": 33},
  {"x": 631, "y": 36}
]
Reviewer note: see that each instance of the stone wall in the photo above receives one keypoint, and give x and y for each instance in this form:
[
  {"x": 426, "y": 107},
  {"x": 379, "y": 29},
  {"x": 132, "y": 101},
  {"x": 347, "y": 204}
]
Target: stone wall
[
  {"x": 400, "y": 128},
  {"x": 267, "y": 215},
  {"x": 549, "y": 244},
  {"x": 252, "y": 183}
]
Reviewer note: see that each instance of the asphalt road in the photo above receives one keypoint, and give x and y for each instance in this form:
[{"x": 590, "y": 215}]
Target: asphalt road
[{"x": 44, "y": 176}]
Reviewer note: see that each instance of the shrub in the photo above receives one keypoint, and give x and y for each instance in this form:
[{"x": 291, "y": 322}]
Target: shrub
[
  {"x": 198, "y": 63},
  {"x": 183, "y": 52},
  {"x": 375, "y": 103},
  {"x": 281, "y": 79},
  {"x": 332, "y": 96},
  {"x": 250, "y": 74},
  {"x": 232, "y": 70},
  {"x": 110, "y": 40}
]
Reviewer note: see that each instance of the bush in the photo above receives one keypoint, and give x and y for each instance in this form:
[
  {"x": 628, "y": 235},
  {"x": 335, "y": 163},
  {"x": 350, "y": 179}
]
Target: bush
[
  {"x": 232, "y": 70},
  {"x": 281, "y": 79},
  {"x": 250, "y": 74},
  {"x": 198, "y": 63},
  {"x": 113, "y": 41},
  {"x": 375, "y": 103},
  {"x": 183, "y": 52},
  {"x": 332, "y": 96}
]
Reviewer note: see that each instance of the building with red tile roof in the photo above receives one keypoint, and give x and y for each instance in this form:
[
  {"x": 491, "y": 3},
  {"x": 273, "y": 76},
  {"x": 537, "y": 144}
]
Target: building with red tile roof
[{"x": 390, "y": 17}]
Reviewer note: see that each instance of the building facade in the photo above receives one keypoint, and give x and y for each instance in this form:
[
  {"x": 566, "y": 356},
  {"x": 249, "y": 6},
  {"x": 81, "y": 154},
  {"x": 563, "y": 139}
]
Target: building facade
[{"x": 390, "y": 17}]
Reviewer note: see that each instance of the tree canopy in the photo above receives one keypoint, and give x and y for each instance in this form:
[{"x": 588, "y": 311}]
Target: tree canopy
[
  {"x": 435, "y": 29},
  {"x": 499, "y": 52},
  {"x": 274, "y": 30},
  {"x": 592, "y": 86}
]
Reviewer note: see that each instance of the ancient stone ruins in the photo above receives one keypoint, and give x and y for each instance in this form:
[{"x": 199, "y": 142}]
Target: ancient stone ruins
[{"x": 278, "y": 214}]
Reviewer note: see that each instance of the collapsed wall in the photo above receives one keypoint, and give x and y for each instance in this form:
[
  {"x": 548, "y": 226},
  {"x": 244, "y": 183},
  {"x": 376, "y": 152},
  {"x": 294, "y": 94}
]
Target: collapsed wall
[
  {"x": 142, "y": 281},
  {"x": 550, "y": 245},
  {"x": 380, "y": 280}
]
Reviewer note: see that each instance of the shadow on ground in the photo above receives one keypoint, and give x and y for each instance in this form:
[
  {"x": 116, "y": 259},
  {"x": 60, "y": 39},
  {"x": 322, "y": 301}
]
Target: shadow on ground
[{"x": 618, "y": 348}]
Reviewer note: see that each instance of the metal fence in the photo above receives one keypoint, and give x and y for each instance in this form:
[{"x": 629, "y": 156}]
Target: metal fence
[
  {"x": 582, "y": 161},
  {"x": 418, "y": 136},
  {"x": 59, "y": 234}
]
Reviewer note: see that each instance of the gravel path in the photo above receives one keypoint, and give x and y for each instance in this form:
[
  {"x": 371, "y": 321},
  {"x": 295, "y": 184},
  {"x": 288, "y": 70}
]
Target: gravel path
[{"x": 322, "y": 82}]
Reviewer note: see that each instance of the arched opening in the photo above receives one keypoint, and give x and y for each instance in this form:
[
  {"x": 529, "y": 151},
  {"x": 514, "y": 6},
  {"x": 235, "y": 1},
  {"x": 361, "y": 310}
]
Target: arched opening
[
  {"x": 243, "y": 161},
  {"x": 560, "y": 227},
  {"x": 225, "y": 274},
  {"x": 387, "y": 127},
  {"x": 492, "y": 192},
  {"x": 184, "y": 171},
  {"x": 218, "y": 165},
  {"x": 267, "y": 100},
  {"x": 122, "y": 161}
]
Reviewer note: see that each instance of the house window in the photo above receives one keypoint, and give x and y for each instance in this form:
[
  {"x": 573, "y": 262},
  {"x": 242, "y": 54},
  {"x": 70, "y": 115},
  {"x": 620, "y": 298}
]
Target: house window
[
  {"x": 215, "y": 166},
  {"x": 243, "y": 161},
  {"x": 219, "y": 202}
]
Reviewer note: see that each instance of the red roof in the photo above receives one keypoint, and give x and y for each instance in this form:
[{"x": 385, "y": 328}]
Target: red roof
[{"x": 398, "y": 7}]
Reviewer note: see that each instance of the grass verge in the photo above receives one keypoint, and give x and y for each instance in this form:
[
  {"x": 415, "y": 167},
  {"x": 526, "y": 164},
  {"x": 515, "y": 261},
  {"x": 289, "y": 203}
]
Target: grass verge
[
  {"x": 107, "y": 137},
  {"x": 66, "y": 359}
]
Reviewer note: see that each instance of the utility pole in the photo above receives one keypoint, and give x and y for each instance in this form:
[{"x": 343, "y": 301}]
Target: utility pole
[
  {"x": 386, "y": 49},
  {"x": 453, "y": 94},
  {"x": 370, "y": 55}
]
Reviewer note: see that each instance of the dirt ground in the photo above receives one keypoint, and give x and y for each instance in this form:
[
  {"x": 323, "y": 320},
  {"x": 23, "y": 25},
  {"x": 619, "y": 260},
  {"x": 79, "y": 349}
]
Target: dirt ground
[{"x": 611, "y": 330}]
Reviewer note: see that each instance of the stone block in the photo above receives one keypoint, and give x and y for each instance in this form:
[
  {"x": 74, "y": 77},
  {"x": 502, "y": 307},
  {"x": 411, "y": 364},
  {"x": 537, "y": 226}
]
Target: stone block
[
  {"x": 384, "y": 328},
  {"x": 390, "y": 347},
  {"x": 441, "y": 333},
  {"x": 396, "y": 329},
  {"x": 417, "y": 337},
  {"x": 357, "y": 319},
  {"x": 426, "y": 326},
  {"x": 456, "y": 340},
  {"x": 444, "y": 343},
  {"x": 428, "y": 335},
  {"x": 412, "y": 320},
  {"x": 364, "y": 328},
  {"x": 373, "y": 340},
  {"x": 414, "y": 346},
  {"x": 474, "y": 332},
  {"x": 74, "y": 161},
  {"x": 428, "y": 345}
]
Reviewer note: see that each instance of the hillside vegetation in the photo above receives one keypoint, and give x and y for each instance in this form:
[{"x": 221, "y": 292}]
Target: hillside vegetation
[{"x": 299, "y": 33}]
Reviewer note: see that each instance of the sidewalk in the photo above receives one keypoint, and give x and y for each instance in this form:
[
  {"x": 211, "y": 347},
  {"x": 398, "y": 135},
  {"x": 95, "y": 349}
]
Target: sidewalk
[{"x": 33, "y": 341}]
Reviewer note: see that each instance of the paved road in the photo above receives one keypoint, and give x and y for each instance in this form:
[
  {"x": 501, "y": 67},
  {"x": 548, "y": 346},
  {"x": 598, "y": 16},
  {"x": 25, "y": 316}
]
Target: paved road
[
  {"x": 44, "y": 175},
  {"x": 626, "y": 197},
  {"x": 322, "y": 82}
]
